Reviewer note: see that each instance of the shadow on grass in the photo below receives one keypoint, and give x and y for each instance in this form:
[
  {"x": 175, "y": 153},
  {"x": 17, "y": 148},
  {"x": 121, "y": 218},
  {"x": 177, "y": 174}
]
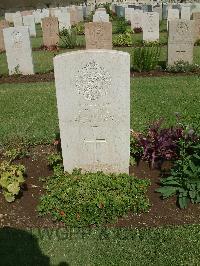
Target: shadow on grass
[{"x": 20, "y": 248}]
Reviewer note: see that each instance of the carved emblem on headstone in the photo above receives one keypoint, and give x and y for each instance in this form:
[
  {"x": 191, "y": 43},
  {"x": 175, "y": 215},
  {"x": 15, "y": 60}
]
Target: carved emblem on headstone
[{"x": 92, "y": 81}]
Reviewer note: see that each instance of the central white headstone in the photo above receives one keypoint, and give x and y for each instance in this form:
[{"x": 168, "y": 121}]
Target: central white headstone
[{"x": 93, "y": 99}]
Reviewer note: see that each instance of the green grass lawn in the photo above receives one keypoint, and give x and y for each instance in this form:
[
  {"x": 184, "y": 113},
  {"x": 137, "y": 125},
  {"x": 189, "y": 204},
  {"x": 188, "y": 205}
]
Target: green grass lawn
[
  {"x": 29, "y": 110},
  {"x": 160, "y": 247}
]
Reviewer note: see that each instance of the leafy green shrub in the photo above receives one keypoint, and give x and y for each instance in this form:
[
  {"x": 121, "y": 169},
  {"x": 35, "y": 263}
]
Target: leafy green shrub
[
  {"x": 124, "y": 39},
  {"x": 151, "y": 44},
  {"x": 197, "y": 43},
  {"x": 146, "y": 58},
  {"x": 11, "y": 178},
  {"x": 69, "y": 38},
  {"x": 16, "y": 153},
  {"x": 183, "y": 67},
  {"x": 121, "y": 26},
  {"x": 79, "y": 28},
  {"x": 79, "y": 199},
  {"x": 184, "y": 180}
]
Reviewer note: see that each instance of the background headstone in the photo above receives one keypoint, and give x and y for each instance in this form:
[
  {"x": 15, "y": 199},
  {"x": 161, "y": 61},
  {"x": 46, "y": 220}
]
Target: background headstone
[
  {"x": 93, "y": 100},
  {"x": 3, "y": 25},
  {"x": 136, "y": 19},
  {"x": 18, "y": 50},
  {"x": 64, "y": 20},
  {"x": 100, "y": 16},
  {"x": 196, "y": 18},
  {"x": 29, "y": 21},
  {"x": 185, "y": 12},
  {"x": 50, "y": 31},
  {"x": 98, "y": 35},
  {"x": 17, "y": 19},
  {"x": 180, "y": 41},
  {"x": 150, "y": 26}
]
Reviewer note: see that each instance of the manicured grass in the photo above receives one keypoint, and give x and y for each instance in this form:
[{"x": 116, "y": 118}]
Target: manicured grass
[
  {"x": 163, "y": 246},
  {"x": 29, "y": 110}
]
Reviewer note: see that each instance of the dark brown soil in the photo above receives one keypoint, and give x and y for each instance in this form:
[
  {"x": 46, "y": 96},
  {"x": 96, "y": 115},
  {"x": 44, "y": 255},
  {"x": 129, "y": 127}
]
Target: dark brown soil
[
  {"x": 46, "y": 77},
  {"x": 22, "y": 213}
]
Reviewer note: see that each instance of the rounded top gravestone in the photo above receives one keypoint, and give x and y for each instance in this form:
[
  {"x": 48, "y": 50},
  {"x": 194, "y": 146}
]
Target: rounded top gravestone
[{"x": 93, "y": 99}]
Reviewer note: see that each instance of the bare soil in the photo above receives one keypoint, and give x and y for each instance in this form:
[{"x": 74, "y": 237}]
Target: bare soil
[{"x": 23, "y": 214}]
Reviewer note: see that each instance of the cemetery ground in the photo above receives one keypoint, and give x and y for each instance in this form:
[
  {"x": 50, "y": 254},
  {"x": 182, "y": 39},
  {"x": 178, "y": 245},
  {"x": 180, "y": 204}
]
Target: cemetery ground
[
  {"x": 165, "y": 235},
  {"x": 28, "y": 114}
]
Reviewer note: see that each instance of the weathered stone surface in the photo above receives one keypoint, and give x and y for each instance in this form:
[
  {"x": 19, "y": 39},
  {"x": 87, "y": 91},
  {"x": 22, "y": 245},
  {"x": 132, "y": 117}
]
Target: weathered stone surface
[
  {"x": 185, "y": 12},
  {"x": 50, "y": 31},
  {"x": 100, "y": 16},
  {"x": 64, "y": 20},
  {"x": 136, "y": 19},
  {"x": 9, "y": 17},
  {"x": 29, "y": 21},
  {"x": 3, "y": 25},
  {"x": 73, "y": 16},
  {"x": 37, "y": 15},
  {"x": 173, "y": 14},
  {"x": 17, "y": 19},
  {"x": 98, "y": 35},
  {"x": 150, "y": 26},
  {"x": 196, "y": 18},
  {"x": 26, "y": 13},
  {"x": 18, "y": 50},
  {"x": 158, "y": 9},
  {"x": 93, "y": 99},
  {"x": 180, "y": 41}
]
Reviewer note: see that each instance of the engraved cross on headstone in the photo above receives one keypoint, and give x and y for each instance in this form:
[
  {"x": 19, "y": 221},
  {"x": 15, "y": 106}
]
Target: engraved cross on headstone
[{"x": 96, "y": 142}]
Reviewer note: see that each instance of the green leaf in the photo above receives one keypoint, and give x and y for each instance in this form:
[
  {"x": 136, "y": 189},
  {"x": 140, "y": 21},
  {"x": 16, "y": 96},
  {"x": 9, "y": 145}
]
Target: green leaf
[
  {"x": 183, "y": 202},
  {"x": 167, "y": 191}
]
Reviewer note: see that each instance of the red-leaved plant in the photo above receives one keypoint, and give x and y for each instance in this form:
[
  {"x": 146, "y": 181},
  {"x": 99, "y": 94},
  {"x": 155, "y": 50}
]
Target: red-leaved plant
[{"x": 160, "y": 143}]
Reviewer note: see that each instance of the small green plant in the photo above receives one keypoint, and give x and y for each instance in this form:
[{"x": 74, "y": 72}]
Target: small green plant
[
  {"x": 69, "y": 38},
  {"x": 121, "y": 26},
  {"x": 146, "y": 58},
  {"x": 151, "y": 44},
  {"x": 81, "y": 199},
  {"x": 16, "y": 153},
  {"x": 184, "y": 180},
  {"x": 135, "y": 149},
  {"x": 197, "y": 43},
  {"x": 16, "y": 70},
  {"x": 79, "y": 28},
  {"x": 11, "y": 178},
  {"x": 183, "y": 67},
  {"x": 124, "y": 39}
]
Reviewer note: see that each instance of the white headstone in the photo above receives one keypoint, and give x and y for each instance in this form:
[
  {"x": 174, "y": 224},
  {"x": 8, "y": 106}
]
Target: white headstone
[
  {"x": 64, "y": 20},
  {"x": 136, "y": 19},
  {"x": 44, "y": 13},
  {"x": 181, "y": 41},
  {"x": 150, "y": 26},
  {"x": 185, "y": 12},
  {"x": 100, "y": 16},
  {"x": 37, "y": 15},
  {"x": 173, "y": 14},
  {"x": 9, "y": 17},
  {"x": 93, "y": 99},
  {"x": 18, "y": 50},
  {"x": 17, "y": 19},
  {"x": 29, "y": 21}
]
